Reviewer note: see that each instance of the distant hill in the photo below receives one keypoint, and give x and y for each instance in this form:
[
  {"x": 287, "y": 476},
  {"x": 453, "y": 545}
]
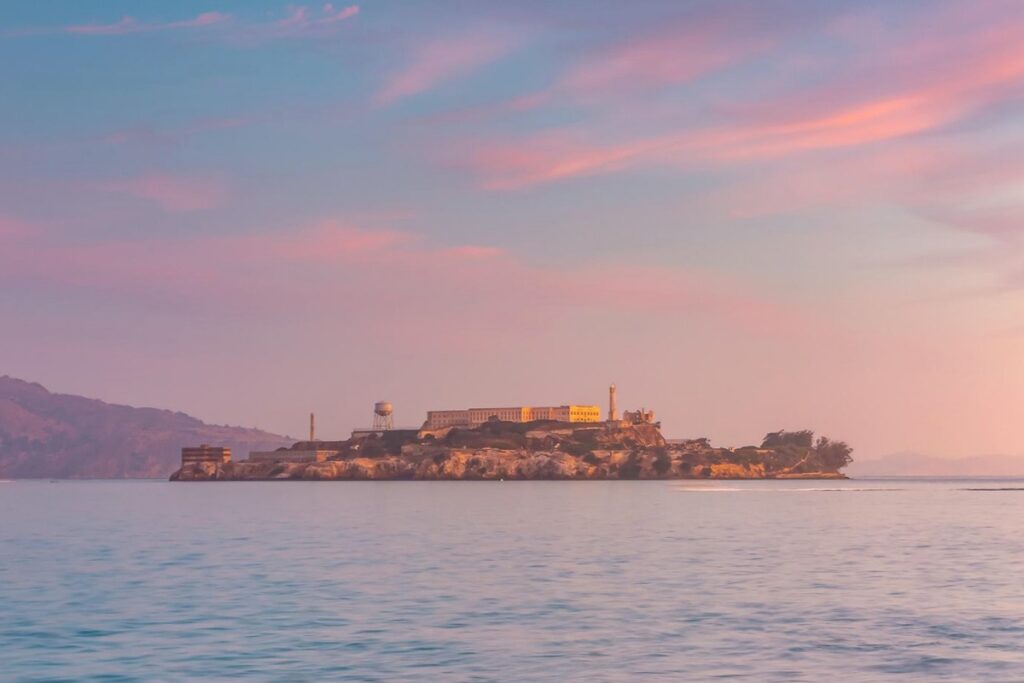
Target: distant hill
[
  {"x": 63, "y": 436},
  {"x": 916, "y": 464}
]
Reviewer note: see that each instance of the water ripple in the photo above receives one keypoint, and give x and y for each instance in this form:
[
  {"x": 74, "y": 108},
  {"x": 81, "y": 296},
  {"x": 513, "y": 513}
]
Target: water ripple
[{"x": 543, "y": 581}]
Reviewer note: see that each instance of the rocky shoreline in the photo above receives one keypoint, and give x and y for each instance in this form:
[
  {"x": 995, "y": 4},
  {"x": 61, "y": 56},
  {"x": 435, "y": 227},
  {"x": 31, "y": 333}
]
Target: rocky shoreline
[{"x": 532, "y": 451}]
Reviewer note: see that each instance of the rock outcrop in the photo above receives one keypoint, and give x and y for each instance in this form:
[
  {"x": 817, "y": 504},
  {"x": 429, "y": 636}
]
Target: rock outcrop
[{"x": 540, "y": 450}]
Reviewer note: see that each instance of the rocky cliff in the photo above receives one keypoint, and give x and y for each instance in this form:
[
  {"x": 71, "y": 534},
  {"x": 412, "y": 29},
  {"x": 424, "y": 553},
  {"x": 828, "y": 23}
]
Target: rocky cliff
[{"x": 547, "y": 450}]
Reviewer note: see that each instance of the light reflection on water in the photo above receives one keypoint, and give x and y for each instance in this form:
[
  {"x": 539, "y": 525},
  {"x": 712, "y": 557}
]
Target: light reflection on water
[{"x": 866, "y": 580}]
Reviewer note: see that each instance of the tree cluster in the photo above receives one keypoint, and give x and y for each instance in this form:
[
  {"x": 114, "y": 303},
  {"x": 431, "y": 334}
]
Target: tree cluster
[{"x": 823, "y": 455}]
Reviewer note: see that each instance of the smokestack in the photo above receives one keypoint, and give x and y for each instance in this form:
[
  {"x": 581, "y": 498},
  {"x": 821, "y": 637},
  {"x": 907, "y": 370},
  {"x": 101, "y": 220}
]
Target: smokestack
[
  {"x": 312, "y": 427},
  {"x": 613, "y": 411}
]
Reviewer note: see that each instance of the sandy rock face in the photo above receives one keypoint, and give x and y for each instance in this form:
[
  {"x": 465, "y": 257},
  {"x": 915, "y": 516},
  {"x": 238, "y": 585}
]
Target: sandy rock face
[
  {"x": 485, "y": 464},
  {"x": 519, "y": 452}
]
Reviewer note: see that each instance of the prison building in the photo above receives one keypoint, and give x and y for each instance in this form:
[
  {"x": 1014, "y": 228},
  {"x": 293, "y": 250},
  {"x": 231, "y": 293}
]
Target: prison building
[
  {"x": 205, "y": 453},
  {"x": 474, "y": 417}
]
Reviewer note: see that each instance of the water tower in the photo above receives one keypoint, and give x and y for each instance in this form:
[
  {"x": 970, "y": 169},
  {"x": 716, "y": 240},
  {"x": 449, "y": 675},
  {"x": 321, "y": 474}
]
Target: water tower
[{"x": 383, "y": 416}]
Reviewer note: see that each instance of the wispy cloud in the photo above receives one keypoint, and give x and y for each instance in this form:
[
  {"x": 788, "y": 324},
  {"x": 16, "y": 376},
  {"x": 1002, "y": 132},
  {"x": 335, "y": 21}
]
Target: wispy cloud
[
  {"x": 147, "y": 135},
  {"x": 560, "y": 155},
  {"x": 12, "y": 229},
  {"x": 337, "y": 261},
  {"x": 704, "y": 41},
  {"x": 444, "y": 60},
  {"x": 129, "y": 24},
  {"x": 942, "y": 83},
  {"x": 175, "y": 193},
  {"x": 552, "y": 156},
  {"x": 303, "y": 20},
  {"x": 666, "y": 56},
  {"x": 328, "y": 241},
  {"x": 300, "y": 21}
]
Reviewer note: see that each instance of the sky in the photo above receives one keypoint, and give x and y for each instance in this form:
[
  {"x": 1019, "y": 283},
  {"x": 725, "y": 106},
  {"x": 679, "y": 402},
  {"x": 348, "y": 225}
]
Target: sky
[{"x": 749, "y": 215}]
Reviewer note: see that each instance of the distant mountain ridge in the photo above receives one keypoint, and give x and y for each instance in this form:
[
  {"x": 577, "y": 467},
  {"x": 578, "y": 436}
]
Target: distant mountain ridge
[
  {"x": 919, "y": 465},
  {"x": 49, "y": 435}
]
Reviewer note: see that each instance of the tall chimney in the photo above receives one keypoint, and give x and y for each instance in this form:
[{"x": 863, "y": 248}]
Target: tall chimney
[
  {"x": 312, "y": 427},
  {"x": 613, "y": 412}
]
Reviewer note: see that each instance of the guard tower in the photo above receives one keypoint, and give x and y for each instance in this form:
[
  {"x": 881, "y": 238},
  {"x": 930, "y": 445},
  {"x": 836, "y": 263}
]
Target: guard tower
[{"x": 383, "y": 416}]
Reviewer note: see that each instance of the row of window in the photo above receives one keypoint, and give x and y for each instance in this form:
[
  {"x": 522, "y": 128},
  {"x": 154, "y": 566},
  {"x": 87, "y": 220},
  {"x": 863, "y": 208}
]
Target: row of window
[{"x": 513, "y": 415}]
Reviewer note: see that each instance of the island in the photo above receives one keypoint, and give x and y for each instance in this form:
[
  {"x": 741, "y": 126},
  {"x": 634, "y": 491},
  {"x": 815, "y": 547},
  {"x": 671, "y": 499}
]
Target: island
[{"x": 499, "y": 449}]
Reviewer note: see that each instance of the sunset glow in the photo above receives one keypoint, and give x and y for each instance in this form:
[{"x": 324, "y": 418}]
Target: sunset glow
[{"x": 753, "y": 216}]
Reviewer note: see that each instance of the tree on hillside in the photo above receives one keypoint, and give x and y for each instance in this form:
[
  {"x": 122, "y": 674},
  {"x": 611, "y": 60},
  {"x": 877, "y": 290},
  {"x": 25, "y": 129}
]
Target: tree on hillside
[
  {"x": 801, "y": 439},
  {"x": 833, "y": 455}
]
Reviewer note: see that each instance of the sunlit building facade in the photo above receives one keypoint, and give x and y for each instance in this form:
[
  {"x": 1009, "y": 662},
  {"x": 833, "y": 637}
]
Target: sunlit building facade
[{"x": 474, "y": 417}]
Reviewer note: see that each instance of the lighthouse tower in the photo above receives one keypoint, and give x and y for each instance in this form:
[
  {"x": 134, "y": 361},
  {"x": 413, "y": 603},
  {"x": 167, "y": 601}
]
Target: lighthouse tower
[{"x": 613, "y": 412}]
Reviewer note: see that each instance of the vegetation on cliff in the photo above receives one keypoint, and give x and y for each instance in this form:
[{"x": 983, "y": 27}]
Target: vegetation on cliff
[
  {"x": 545, "y": 450},
  {"x": 823, "y": 455}
]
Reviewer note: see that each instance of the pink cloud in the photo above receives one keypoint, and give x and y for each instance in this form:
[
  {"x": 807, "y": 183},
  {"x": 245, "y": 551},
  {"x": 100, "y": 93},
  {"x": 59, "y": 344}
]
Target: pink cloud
[
  {"x": 942, "y": 181},
  {"x": 940, "y": 75},
  {"x": 12, "y": 229},
  {"x": 392, "y": 280},
  {"x": 416, "y": 297},
  {"x": 173, "y": 192},
  {"x": 1005, "y": 224},
  {"x": 128, "y": 25},
  {"x": 328, "y": 241},
  {"x": 667, "y": 56},
  {"x": 146, "y": 135},
  {"x": 304, "y": 21},
  {"x": 476, "y": 252},
  {"x": 861, "y": 124},
  {"x": 832, "y": 181},
  {"x": 560, "y": 155},
  {"x": 552, "y": 157},
  {"x": 441, "y": 61},
  {"x": 300, "y": 22},
  {"x": 676, "y": 53}
]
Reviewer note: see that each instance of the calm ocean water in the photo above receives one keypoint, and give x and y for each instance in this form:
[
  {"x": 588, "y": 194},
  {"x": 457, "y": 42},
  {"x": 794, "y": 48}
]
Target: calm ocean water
[{"x": 516, "y": 581}]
